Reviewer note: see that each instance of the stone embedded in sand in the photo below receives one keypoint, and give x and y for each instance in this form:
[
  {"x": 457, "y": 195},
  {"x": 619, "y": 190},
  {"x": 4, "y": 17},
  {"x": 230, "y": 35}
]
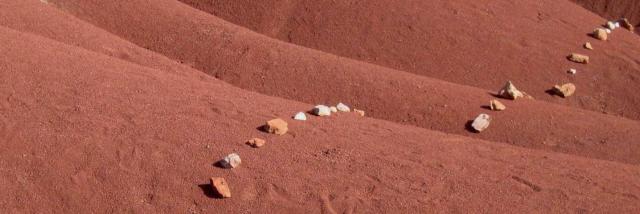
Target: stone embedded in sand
[
  {"x": 231, "y": 161},
  {"x": 572, "y": 71},
  {"x": 588, "y": 46},
  {"x": 626, "y": 24},
  {"x": 497, "y": 105},
  {"x": 565, "y": 90},
  {"x": 359, "y": 112},
  {"x": 600, "y": 33},
  {"x": 333, "y": 109},
  {"x": 481, "y": 122},
  {"x": 321, "y": 110},
  {"x": 510, "y": 91},
  {"x": 579, "y": 58},
  {"x": 617, "y": 24},
  {"x": 608, "y": 31},
  {"x": 221, "y": 187},
  {"x": 343, "y": 108},
  {"x": 256, "y": 142},
  {"x": 300, "y": 116},
  {"x": 276, "y": 126}
]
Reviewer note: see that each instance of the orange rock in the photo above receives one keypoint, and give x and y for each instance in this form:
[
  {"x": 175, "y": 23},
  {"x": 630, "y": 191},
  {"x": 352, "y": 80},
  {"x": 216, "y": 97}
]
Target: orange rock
[
  {"x": 496, "y": 105},
  {"x": 579, "y": 58},
  {"x": 276, "y": 126},
  {"x": 359, "y": 112},
  {"x": 626, "y": 24},
  {"x": 221, "y": 187},
  {"x": 565, "y": 90},
  {"x": 588, "y": 46},
  {"x": 256, "y": 142},
  {"x": 600, "y": 34}
]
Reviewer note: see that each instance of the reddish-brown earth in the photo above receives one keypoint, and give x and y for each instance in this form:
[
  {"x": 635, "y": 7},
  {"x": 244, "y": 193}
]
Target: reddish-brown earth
[
  {"x": 113, "y": 106},
  {"x": 615, "y": 9}
]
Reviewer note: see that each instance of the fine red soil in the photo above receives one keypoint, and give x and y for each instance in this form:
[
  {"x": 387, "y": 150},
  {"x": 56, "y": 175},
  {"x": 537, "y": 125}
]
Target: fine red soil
[
  {"x": 115, "y": 107},
  {"x": 101, "y": 134},
  {"x": 614, "y": 9},
  {"x": 258, "y": 63},
  {"x": 479, "y": 43}
]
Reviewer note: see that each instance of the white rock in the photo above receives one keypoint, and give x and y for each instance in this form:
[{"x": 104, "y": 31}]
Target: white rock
[
  {"x": 333, "y": 109},
  {"x": 608, "y": 31},
  {"x": 617, "y": 24},
  {"x": 321, "y": 110},
  {"x": 572, "y": 71},
  {"x": 611, "y": 25},
  {"x": 300, "y": 116},
  {"x": 231, "y": 161},
  {"x": 481, "y": 122},
  {"x": 343, "y": 108}
]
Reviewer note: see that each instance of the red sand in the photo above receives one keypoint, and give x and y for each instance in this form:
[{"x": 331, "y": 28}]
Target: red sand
[{"x": 94, "y": 122}]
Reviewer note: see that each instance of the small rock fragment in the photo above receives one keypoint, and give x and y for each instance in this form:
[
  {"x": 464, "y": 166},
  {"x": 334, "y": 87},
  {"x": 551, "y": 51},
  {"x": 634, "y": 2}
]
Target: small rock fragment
[
  {"x": 359, "y": 112},
  {"x": 617, "y": 24},
  {"x": 256, "y": 142},
  {"x": 221, "y": 187},
  {"x": 481, "y": 122},
  {"x": 333, "y": 109},
  {"x": 608, "y": 31},
  {"x": 321, "y": 110},
  {"x": 300, "y": 116},
  {"x": 611, "y": 25},
  {"x": 276, "y": 126},
  {"x": 588, "y": 46},
  {"x": 626, "y": 24},
  {"x": 579, "y": 58},
  {"x": 231, "y": 161},
  {"x": 496, "y": 105},
  {"x": 343, "y": 108},
  {"x": 572, "y": 71},
  {"x": 510, "y": 91},
  {"x": 564, "y": 90},
  {"x": 600, "y": 33}
]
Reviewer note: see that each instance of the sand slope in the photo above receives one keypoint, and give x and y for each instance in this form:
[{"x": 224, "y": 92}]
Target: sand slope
[
  {"x": 477, "y": 43},
  {"x": 123, "y": 113},
  {"x": 100, "y": 134},
  {"x": 262, "y": 64}
]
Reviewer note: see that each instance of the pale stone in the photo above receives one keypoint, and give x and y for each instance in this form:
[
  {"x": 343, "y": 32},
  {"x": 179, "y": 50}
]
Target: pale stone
[
  {"x": 611, "y": 25},
  {"x": 510, "y": 91},
  {"x": 588, "y": 46},
  {"x": 572, "y": 71},
  {"x": 497, "y": 105},
  {"x": 343, "y": 108},
  {"x": 600, "y": 33},
  {"x": 626, "y": 24},
  {"x": 321, "y": 110},
  {"x": 359, "y": 112},
  {"x": 579, "y": 58},
  {"x": 333, "y": 109},
  {"x": 231, "y": 161},
  {"x": 300, "y": 116},
  {"x": 565, "y": 90},
  {"x": 481, "y": 122}
]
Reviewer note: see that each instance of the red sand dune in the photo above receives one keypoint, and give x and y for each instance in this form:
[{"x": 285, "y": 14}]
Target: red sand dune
[
  {"x": 91, "y": 121},
  {"x": 258, "y": 63},
  {"x": 615, "y": 9},
  {"x": 480, "y": 43}
]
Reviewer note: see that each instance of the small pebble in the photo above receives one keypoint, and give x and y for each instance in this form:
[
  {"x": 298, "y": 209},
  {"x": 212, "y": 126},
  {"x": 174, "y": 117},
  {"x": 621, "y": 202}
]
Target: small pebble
[
  {"x": 333, "y": 109},
  {"x": 300, "y": 116},
  {"x": 231, "y": 161},
  {"x": 343, "y": 108},
  {"x": 221, "y": 187},
  {"x": 321, "y": 110},
  {"x": 481, "y": 122},
  {"x": 572, "y": 71}
]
